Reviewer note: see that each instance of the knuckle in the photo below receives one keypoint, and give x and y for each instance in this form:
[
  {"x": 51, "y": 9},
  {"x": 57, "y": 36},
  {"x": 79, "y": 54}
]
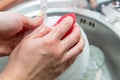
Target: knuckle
[
  {"x": 82, "y": 45},
  {"x": 77, "y": 36},
  {"x": 58, "y": 53},
  {"x": 50, "y": 40},
  {"x": 60, "y": 31},
  {"x": 81, "y": 49},
  {"x": 83, "y": 41},
  {"x": 53, "y": 48}
]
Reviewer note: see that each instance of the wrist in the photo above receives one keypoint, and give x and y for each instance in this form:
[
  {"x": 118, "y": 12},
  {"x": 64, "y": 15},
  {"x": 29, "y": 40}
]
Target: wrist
[{"x": 14, "y": 71}]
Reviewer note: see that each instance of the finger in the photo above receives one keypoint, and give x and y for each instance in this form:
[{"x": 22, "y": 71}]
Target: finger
[
  {"x": 31, "y": 23},
  {"x": 62, "y": 27},
  {"x": 40, "y": 32},
  {"x": 77, "y": 49},
  {"x": 72, "y": 38},
  {"x": 5, "y": 49}
]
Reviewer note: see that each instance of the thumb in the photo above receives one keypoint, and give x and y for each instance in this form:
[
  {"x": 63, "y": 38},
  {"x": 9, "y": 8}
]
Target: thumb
[{"x": 31, "y": 23}]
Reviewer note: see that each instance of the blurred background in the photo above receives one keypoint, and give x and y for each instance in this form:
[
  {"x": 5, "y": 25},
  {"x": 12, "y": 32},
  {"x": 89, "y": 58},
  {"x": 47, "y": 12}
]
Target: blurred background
[
  {"x": 91, "y": 4},
  {"x": 100, "y": 19}
]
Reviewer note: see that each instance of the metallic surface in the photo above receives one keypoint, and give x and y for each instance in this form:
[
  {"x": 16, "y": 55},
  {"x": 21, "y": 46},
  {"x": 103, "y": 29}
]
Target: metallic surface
[{"x": 100, "y": 33}]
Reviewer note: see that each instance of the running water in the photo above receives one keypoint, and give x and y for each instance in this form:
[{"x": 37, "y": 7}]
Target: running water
[{"x": 43, "y": 6}]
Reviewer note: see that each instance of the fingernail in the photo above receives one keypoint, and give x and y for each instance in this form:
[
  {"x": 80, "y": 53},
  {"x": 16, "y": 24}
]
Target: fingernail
[
  {"x": 69, "y": 19},
  {"x": 40, "y": 14},
  {"x": 38, "y": 20}
]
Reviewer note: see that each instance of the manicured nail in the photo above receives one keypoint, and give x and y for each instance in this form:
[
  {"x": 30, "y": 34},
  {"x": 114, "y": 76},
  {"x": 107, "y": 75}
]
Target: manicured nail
[
  {"x": 40, "y": 13},
  {"x": 69, "y": 19}
]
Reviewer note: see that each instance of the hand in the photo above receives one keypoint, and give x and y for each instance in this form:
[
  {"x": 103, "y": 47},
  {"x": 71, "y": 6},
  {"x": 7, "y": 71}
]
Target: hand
[
  {"x": 12, "y": 29},
  {"x": 42, "y": 55}
]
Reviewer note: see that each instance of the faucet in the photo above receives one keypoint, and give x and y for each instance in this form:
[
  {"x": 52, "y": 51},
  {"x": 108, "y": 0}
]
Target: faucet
[
  {"x": 116, "y": 3},
  {"x": 96, "y": 5}
]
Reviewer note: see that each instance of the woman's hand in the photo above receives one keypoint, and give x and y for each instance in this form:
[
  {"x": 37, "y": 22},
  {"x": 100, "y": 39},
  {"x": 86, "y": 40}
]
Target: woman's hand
[
  {"x": 12, "y": 29},
  {"x": 42, "y": 55}
]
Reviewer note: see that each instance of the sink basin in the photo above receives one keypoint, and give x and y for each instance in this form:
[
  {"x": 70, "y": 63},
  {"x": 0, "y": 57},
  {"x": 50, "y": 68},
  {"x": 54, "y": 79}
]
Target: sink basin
[{"x": 100, "y": 33}]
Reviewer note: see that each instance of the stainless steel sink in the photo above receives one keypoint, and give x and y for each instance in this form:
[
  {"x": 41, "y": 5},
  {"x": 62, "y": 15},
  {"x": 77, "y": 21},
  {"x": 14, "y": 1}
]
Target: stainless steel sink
[{"x": 100, "y": 33}]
